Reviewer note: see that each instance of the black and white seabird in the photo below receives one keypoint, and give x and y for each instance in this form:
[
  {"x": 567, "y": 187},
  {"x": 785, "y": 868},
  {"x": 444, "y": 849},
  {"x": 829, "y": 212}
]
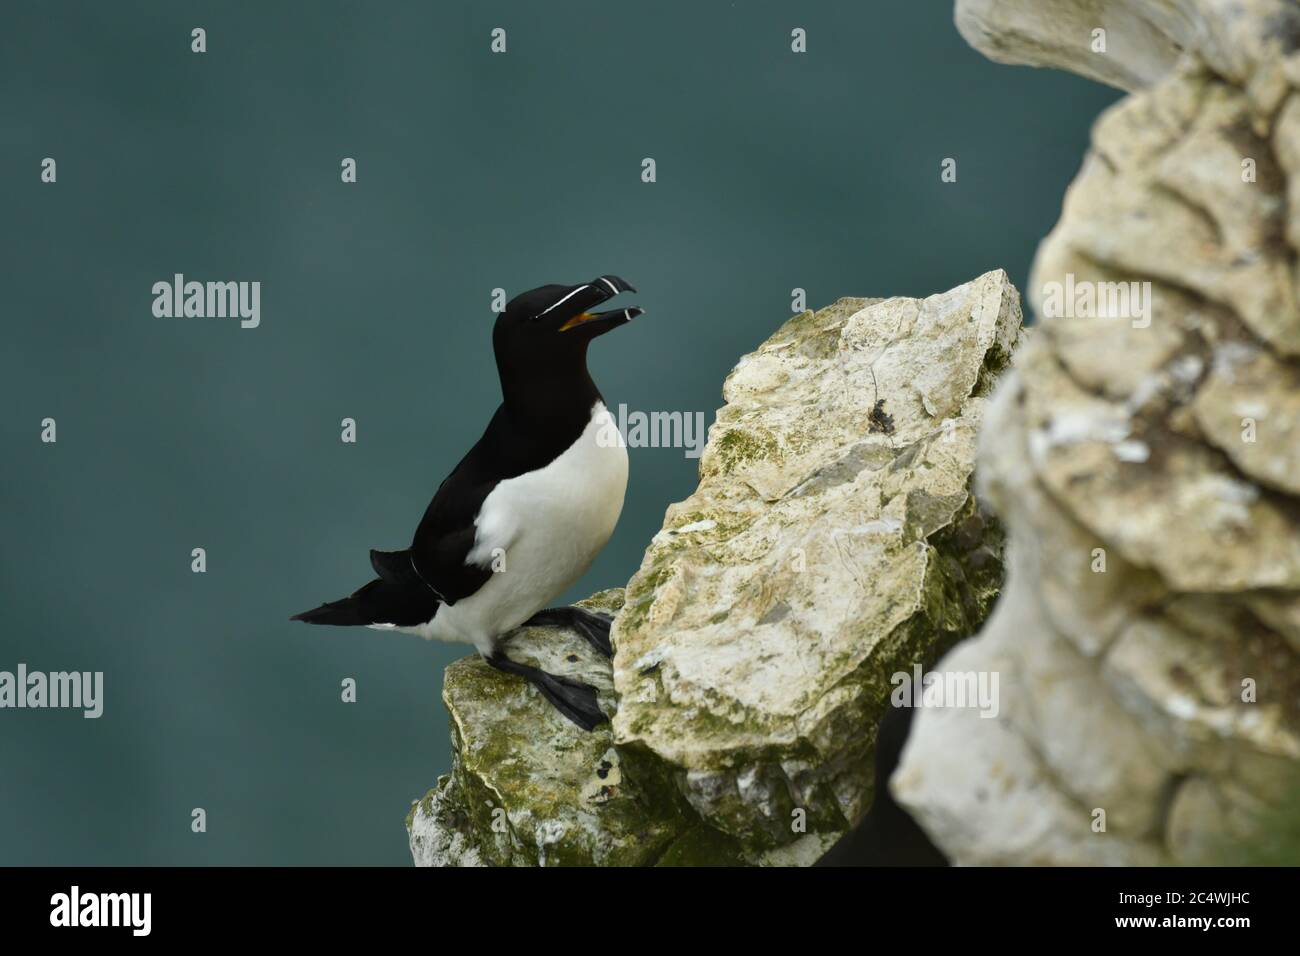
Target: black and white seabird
[{"x": 524, "y": 514}]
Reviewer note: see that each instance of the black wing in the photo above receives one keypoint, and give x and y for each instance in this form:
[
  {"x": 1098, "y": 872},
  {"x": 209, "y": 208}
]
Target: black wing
[
  {"x": 436, "y": 561},
  {"x": 446, "y": 534},
  {"x": 445, "y": 537}
]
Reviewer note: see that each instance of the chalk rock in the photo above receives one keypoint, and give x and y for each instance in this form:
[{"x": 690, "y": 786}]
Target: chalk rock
[
  {"x": 832, "y": 542},
  {"x": 1139, "y": 41},
  {"x": 1143, "y": 459}
]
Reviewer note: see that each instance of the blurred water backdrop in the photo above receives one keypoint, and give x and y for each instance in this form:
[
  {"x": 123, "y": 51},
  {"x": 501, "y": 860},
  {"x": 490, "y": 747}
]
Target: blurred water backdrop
[{"x": 775, "y": 170}]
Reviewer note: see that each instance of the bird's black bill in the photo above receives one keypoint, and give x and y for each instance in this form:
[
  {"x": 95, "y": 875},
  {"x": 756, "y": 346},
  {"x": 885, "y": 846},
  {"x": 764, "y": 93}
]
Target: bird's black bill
[
  {"x": 614, "y": 283},
  {"x": 573, "y": 307}
]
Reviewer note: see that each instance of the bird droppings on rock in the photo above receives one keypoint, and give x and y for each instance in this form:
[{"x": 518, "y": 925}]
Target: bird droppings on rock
[{"x": 879, "y": 419}]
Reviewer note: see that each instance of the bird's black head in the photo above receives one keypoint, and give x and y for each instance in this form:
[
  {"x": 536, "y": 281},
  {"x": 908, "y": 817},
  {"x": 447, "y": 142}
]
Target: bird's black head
[
  {"x": 541, "y": 342},
  {"x": 553, "y": 321}
]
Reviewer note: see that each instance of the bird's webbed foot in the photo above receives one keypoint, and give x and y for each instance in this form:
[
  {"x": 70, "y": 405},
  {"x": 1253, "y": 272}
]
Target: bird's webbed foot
[
  {"x": 572, "y": 698},
  {"x": 592, "y": 625}
]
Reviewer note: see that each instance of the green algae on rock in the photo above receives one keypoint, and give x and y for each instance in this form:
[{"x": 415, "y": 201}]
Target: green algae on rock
[{"x": 527, "y": 787}]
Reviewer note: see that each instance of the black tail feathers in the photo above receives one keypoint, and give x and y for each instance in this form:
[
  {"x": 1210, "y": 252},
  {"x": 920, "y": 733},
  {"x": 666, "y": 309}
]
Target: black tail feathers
[
  {"x": 359, "y": 608},
  {"x": 384, "y": 600}
]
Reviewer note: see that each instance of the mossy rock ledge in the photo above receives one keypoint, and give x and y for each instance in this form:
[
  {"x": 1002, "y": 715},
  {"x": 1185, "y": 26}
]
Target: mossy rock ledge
[{"x": 833, "y": 541}]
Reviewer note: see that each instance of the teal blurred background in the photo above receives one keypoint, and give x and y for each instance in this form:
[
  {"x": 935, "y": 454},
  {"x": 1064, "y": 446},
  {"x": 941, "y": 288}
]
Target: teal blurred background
[{"x": 475, "y": 170}]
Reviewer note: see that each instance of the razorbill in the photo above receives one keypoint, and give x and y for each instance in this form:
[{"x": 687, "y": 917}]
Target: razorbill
[{"x": 527, "y": 509}]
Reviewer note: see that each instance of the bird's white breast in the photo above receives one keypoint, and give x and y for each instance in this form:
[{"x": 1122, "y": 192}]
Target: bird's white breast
[{"x": 539, "y": 532}]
